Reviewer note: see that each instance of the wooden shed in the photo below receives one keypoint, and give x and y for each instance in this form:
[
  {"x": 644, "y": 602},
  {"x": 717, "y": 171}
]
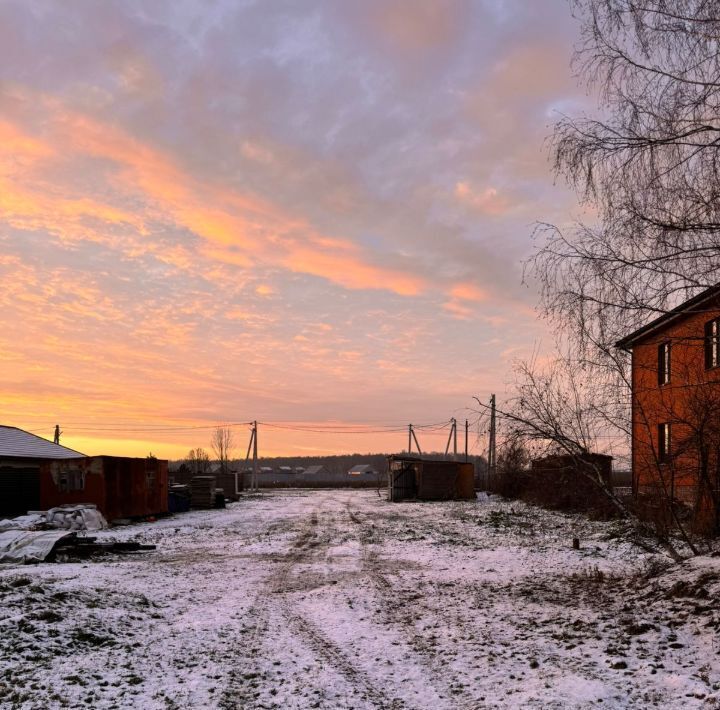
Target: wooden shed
[{"x": 413, "y": 477}]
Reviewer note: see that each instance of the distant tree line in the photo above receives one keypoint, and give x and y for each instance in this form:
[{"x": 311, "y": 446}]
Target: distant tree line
[{"x": 337, "y": 464}]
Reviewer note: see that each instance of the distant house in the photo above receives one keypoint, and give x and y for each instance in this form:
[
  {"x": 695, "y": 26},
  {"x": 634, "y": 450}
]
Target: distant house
[
  {"x": 315, "y": 471},
  {"x": 676, "y": 405},
  {"x": 363, "y": 469},
  {"x": 285, "y": 469}
]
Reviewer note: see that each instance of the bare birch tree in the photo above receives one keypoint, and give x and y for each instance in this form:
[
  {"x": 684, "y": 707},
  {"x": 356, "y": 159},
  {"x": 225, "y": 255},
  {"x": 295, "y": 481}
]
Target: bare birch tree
[
  {"x": 223, "y": 443},
  {"x": 649, "y": 165},
  {"x": 198, "y": 461},
  {"x": 557, "y": 409}
]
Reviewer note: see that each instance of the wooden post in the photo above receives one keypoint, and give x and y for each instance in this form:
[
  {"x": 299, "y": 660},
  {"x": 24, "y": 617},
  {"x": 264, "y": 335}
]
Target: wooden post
[
  {"x": 256, "y": 484},
  {"x": 466, "y": 440},
  {"x": 492, "y": 461},
  {"x": 454, "y": 429},
  {"x": 412, "y": 431}
]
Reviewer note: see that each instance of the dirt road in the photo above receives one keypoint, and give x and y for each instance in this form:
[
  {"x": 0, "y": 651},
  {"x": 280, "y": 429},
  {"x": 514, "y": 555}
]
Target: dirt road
[{"x": 339, "y": 599}]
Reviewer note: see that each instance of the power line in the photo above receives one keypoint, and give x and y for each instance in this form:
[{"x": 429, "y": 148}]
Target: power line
[
  {"x": 353, "y": 429},
  {"x": 319, "y": 428},
  {"x": 153, "y": 428}
]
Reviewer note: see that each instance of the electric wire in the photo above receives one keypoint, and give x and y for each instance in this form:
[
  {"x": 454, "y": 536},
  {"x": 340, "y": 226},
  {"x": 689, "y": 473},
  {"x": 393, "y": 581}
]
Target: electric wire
[{"x": 319, "y": 428}]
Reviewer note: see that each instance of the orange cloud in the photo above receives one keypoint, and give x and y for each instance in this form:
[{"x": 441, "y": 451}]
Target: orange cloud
[
  {"x": 458, "y": 310},
  {"x": 468, "y": 292},
  {"x": 488, "y": 201},
  {"x": 351, "y": 272},
  {"x": 461, "y": 295},
  {"x": 236, "y": 228}
]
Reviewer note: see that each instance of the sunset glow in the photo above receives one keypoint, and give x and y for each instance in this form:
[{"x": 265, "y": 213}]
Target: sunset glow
[{"x": 297, "y": 213}]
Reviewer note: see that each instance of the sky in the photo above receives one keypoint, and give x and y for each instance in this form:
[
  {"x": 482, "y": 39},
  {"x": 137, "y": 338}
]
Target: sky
[{"x": 309, "y": 213}]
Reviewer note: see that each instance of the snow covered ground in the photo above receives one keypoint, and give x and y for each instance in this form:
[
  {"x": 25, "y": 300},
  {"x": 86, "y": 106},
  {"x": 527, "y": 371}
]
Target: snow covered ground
[{"x": 339, "y": 599}]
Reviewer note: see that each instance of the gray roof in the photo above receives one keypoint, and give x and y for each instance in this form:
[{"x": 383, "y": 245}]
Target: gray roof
[
  {"x": 362, "y": 468},
  {"x": 16, "y": 443},
  {"x": 312, "y": 470}
]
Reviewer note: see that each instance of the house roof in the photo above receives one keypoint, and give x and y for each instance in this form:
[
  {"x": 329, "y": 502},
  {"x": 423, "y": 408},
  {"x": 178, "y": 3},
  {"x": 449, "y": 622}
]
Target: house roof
[
  {"x": 362, "y": 468},
  {"x": 314, "y": 469},
  {"x": 16, "y": 443},
  {"x": 683, "y": 309}
]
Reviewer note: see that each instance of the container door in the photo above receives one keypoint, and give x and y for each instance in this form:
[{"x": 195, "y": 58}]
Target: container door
[{"x": 19, "y": 490}]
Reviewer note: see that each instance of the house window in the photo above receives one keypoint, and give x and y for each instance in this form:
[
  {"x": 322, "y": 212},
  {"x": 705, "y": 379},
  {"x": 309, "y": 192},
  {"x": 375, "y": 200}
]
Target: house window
[
  {"x": 664, "y": 435},
  {"x": 73, "y": 480},
  {"x": 663, "y": 363},
  {"x": 712, "y": 343}
]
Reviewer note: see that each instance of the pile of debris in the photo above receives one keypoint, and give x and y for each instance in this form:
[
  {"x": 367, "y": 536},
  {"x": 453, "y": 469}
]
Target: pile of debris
[
  {"x": 65, "y": 517},
  {"x": 76, "y": 517},
  {"x": 29, "y": 546},
  {"x": 73, "y": 547},
  {"x": 45, "y": 536}
]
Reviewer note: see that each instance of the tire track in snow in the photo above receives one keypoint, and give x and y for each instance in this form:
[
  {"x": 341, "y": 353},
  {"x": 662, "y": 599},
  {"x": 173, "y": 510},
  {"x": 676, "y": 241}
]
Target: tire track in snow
[
  {"x": 237, "y": 694},
  {"x": 307, "y": 544},
  {"x": 444, "y": 681},
  {"x": 313, "y": 635}
]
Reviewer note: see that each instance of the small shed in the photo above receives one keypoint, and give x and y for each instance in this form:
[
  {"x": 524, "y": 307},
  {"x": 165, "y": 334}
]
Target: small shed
[
  {"x": 569, "y": 482},
  {"x": 120, "y": 487},
  {"x": 228, "y": 478},
  {"x": 429, "y": 479}
]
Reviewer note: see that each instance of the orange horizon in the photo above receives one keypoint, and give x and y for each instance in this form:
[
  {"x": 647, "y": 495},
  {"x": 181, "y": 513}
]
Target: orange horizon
[{"x": 273, "y": 442}]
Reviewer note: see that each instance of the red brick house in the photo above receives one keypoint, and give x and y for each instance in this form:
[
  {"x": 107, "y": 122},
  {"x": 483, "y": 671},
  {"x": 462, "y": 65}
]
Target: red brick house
[{"x": 676, "y": 405}]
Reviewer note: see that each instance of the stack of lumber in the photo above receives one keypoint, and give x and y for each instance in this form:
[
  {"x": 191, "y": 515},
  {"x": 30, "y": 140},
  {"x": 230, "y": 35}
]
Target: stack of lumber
[{"x": 202, "y": 492}]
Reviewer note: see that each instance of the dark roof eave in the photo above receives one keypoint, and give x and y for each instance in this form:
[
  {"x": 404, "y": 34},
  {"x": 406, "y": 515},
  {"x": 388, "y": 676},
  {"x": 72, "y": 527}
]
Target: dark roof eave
[{"x": 628, "y": 341}]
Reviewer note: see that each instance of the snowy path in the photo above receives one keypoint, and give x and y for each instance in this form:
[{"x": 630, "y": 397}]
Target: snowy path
[{"x": 338, "y": 599}]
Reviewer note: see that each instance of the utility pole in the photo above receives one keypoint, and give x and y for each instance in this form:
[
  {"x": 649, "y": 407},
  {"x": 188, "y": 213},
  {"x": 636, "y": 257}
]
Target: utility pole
[
  {"x": 410, "y": 435},
  {"x": 247, "y": 458},
  {"x": 452, "y": 436},
  {"x": 454, "y": 429},
  {"x": 417, "y": 443},
  {"x": 56, "y": 438},
  {"x": 492, "y": 460},
  {"x": 256, "y": 486},
  {"x": 466, "y": 440}
]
